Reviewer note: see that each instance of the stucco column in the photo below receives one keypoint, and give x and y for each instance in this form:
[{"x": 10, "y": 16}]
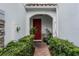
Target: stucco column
[{"x": 27, "y": 26}]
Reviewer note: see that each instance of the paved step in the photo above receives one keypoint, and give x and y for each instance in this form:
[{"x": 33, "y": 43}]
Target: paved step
[{"x": 41, "y": 49}]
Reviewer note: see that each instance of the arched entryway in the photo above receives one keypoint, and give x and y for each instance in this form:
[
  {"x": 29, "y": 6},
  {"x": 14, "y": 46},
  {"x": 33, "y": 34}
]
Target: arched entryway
[{"x": 43, "y": 25}]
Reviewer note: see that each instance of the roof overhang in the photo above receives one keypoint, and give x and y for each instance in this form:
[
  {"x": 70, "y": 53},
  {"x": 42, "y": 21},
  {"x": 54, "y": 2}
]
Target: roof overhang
[{"x": 41, "y": 6}]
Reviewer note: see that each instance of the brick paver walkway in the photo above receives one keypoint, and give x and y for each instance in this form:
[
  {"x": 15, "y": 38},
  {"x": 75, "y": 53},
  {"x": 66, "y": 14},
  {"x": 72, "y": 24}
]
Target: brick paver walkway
[{"x": 41, "y": 49}]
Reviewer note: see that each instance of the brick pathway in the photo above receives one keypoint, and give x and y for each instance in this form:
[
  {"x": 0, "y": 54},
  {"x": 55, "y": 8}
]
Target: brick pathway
[{"x": 41, "y": 49}]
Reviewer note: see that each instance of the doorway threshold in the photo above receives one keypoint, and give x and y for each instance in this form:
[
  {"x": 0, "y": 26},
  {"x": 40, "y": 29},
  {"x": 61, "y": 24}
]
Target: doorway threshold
[{"x": 37, "y": 40}]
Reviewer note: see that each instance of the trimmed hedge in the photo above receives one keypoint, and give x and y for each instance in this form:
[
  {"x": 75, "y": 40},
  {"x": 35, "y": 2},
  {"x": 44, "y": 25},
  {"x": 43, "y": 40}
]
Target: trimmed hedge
[
  {"x": 47, "y": 39},
  {"x": 24, "y": 47},
  {"x": 59, "y": 47}
]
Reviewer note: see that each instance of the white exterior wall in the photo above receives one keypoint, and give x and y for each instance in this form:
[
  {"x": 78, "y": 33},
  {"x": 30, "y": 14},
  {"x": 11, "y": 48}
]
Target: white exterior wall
[
  {"x": 15, "y": 15},
  {"x": 68, "y": 22}
]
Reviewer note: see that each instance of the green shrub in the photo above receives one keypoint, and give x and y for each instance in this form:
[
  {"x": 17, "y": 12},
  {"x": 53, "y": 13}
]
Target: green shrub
[
  {"x": 23, "y": 47},
  {"x": 12, "y": 43},
  {"x": 32, "y": 30},
  {"x": 61, "y": 47},
  {"x": 75, "y": 51},
  {"x": 1, "y": 49},
  {"x": 13, "y": 50},
  {"x": 46, "y": 40}
]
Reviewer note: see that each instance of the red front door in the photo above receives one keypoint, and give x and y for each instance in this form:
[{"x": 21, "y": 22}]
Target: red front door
[{"x": 37, "y": 26}]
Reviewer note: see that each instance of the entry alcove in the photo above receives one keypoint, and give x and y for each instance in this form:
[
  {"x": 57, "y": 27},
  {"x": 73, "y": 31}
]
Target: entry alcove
[{"x": 44, "y": 23}]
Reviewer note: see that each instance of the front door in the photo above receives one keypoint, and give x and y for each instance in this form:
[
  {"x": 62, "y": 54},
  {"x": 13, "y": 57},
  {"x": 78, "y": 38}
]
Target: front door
[{"x": 37, "y": 26}]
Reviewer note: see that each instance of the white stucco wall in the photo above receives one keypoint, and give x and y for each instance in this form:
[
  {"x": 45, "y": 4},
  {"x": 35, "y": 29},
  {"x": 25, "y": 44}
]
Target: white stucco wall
[
  {"x": 15, "y": 15},
  {"x": 68, "y": 22}
]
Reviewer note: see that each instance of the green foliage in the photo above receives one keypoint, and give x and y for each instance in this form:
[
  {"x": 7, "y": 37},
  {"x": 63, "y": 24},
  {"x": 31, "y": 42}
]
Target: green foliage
[
  {"x": 1, "y": 49},
  {"x": 46, "y": 40},
  {"x": 23, "y": 47},
  {"x": 32, "y": 30},
  {"x": 12, "y": 43},
  {"x": 59, "y": 47}
]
